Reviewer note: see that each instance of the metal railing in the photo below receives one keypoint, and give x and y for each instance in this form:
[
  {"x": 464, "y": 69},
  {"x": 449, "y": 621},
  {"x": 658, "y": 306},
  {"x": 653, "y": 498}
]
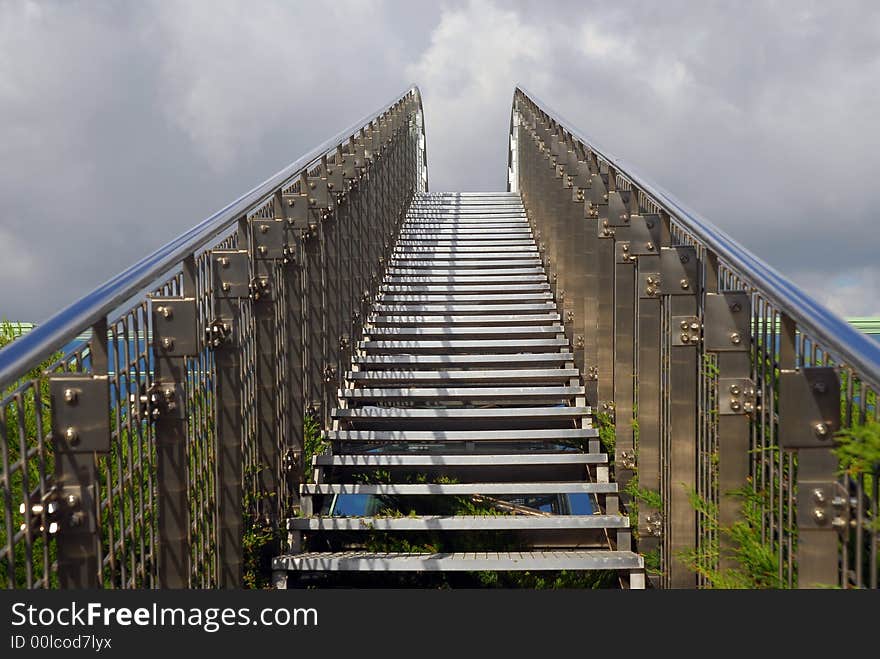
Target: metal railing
[
  {"x": 725, "y": 383},
  {"x": 132, "y": 459}
]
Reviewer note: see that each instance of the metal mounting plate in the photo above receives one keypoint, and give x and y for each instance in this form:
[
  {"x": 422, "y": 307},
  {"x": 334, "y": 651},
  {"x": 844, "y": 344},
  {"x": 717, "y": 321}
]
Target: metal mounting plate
[
  {"x": 678, "y": 270},
  {"x": 230, "y": 273},
  {"x": 80, "y": 413},
  {"x": 616, "y": 211},
  {"x": 174, "y": 321},
  {"x": 736, "y": 396},
  {"x": 822, "y": 505},
  {"x": 685, "y": 330},
  {"x": 649, "y": 284},
  {"x": 643, "y": 234},
  {"x": 728, "y": 318},
  {"x": 269, "y": 238},
  {"x": 809, "y": 407}
]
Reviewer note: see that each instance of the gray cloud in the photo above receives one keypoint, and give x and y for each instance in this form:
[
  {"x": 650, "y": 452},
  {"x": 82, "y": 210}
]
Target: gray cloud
[{"x": 121, "y": 125}]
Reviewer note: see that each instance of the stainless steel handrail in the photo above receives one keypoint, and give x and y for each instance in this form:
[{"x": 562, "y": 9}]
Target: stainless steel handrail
[
  {"x": 21, "y": 355},
  {"x": 813, "y": 318}
]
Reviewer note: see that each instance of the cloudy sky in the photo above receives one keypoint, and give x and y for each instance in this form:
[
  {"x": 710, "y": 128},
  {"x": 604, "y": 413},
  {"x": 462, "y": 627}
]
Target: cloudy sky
[{"x": 121, "y": 124}]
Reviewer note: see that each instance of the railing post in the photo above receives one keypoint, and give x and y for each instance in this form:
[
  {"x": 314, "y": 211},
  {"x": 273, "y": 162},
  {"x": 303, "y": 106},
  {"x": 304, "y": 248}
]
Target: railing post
[
  {"x": 680, "y": 281},
  {"x": 80, "y": 432},
  {"x": 809, "y": 416},
  {"x": 604, "y": 310},
  {"x": 230, "y": 284},
  {"x": 173, "y": 322},
  {"x": 648, "y": 358},
  {"x": 727, "y": 334}
]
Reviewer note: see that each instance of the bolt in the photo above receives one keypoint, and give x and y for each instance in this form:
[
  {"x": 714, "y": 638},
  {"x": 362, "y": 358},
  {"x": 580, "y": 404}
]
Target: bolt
[
  {"x": 838, "y": 502},
  {"x": 263, "y": 250},
  {"x": 625, "y": 248},
  {"x": 695, "y": 326},
  {"x": 224, "y": 261},
  {"x": 819, "y": 495},
  {"x": 226, "y": 286},
  {"x": 290, "y": 202},
  {"x": 684, "y": 258},
  {"x": 819, "y": 515},
  {"x": 734, "y": 389},
  {"x": 70, "y": 396},
  {"x": 650, "y": 280},
  {"x": 685, "y": 284},
  {"x": 735, "y": 338},
  {"x": 649, "y": 247},
  {"x": 685, "y": 337},
  {"x": 736, "y": 306},
  {"x": 684, "y": 324},
  {"x": 167, "y": 343},
  {"x": 166, "y": 312},
  {"x": 838, "y": 522},
  {"x": 819, "y": 387},
  {"x": 821, "y": 430},
  {"x": 72, "y": 500},
  {"x": 735, "y": 405},
  {"x": 71, "y": 436},
  {"x": 748, "y": 407}
]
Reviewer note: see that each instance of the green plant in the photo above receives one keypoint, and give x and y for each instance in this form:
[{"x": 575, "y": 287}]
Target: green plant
[
  {"x": 605, "y": 423},
  {"x": 858, "y": 448},
  {"x": 313, "y": 443},
  {"x": 754, "y": 557}
]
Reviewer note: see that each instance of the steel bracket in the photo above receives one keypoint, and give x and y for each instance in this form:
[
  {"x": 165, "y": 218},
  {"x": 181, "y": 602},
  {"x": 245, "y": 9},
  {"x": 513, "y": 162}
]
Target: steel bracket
[
  {"x": 269, "y": 238},
  {"x": 623, "y": 254},
  {"x": 218, "y": 332},
  {"x": 809, "y": 407},
  {"x": 75, "y": 503},
  {"x": 166, "y": 398},
  {"x": 650, "y": 524},
  {"x": 643, "y": 234},
  {"x": 314, "y": 197},
  {"x": 685, "y": 330},
  {"x": 728, "y": 318},
  {"x": 649, "y": 284},
  {"x": 616, "y": 212},
  {"x": 80, "y": 414},
  {"x": 736, "y": 396},
  {"x": 174, "y": 321},
  {"x": 678, "y": 270},
  {"x": 822, "y": 505},
  {"x": 230, "y": 273}
]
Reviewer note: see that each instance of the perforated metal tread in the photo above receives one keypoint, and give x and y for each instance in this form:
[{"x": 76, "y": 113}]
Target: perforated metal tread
[{"x": 532, "y": 561}]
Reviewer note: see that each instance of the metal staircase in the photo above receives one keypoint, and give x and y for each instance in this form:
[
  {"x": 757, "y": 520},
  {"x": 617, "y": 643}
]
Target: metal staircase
[{"x": 464, "y": 385}]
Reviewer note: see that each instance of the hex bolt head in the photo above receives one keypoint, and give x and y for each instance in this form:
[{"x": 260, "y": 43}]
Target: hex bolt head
[
  {"x": 70, "y": 396},
  {"x": 735, "y": 405},
  {"x": 684, "y": 325},
  {"x": 226, "y": 286},
  {"x": 166, "y": 312},
  {"x": 264, "y": 228},
  {"x": 695, "y": 326},
  {"x": 821, "y": 430},
  {"x": 734, "y": 389},
  {"x": 167, "y": 343},
  {"x": 71, "y": 436},
  {"x": 649, "y": 247},
  {"x": 224, "y": 261},
  {"x": 685, "y": 284},
  {"x": 819, "y": 495},
  {"x": 71, "y": 500},
  {"x": 819, "y": 515},
  {"x": 685, "y": 337},
  {"x": 735, "y": 338}
]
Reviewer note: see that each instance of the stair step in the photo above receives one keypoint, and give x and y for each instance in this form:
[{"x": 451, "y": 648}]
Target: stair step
[
  {"x": 463, "y": 232},
  {"x": 459, "y": 523},
  {"x": 539, "y": 435},
  {"x": 508, "y": 460},
  {"x": 486, "y": 394},
  {"x": 463, "y": 308},
  {"x": 453, "y": 289},
  {"x": 443, "y": 377},
  {"x": 462, "y": 298},
  {"x": 463, "y": 253},
  {"x": 459, "y": 264},
  {"x": 532, "y": 561},
  {"x": 476, "y": 416},
  {"x": 477, "y": 320},
  {"x": 429, "y": 489},
  {"x": 521, "y": 331},
  {"x": 398, "y": 271},
  {"x": 462, "y": 361},
  {"x": 486, "y": 279},
  {"x": 448, "y": 346}
]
